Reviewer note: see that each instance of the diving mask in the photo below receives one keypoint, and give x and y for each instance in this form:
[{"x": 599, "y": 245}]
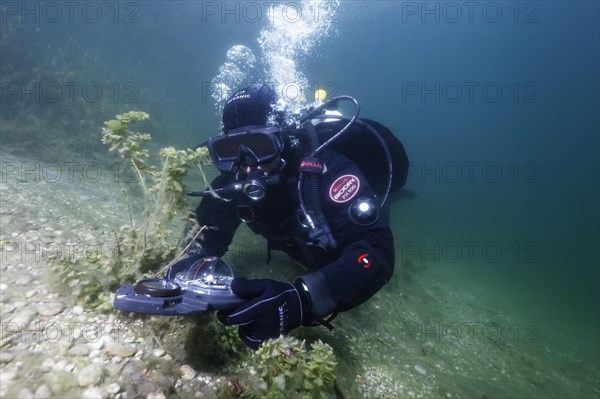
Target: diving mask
[{"x": 250, "y": 145}]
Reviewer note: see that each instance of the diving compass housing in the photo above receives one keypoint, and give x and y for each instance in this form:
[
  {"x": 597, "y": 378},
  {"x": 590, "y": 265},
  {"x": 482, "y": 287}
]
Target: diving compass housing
[{"x": 204, "y": 286}]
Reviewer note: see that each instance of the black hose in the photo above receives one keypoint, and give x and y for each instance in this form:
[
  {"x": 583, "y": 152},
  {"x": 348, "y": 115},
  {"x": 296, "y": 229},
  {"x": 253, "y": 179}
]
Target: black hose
[
  {"x": 316, "y": 114},
  {"x": 373, "y": 132},
  {"x": 309, "y": 188}
]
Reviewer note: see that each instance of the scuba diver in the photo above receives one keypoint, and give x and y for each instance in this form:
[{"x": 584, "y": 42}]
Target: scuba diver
[{"x": 300, "y": 187}]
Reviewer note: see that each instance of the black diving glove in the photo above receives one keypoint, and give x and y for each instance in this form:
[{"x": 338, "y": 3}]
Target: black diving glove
[{"x": 273, "y": 308}]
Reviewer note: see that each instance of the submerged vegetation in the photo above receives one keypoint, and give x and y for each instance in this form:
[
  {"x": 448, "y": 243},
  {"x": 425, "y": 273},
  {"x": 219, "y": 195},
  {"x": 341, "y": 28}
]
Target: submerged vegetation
[
  {"x": 146, "y": 241},
  {"x": 288, "y": 369}
]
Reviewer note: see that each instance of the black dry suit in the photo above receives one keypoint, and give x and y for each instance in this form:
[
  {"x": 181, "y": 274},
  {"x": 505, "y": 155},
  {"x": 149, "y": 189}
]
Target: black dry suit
[{"x": 363, "y": 260}]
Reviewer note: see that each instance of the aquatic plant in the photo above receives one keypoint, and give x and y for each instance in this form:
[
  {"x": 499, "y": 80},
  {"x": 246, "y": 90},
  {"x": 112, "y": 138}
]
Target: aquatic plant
[
  {"x": 289, "y": 370},
  {"x": 145, "y": 243}
]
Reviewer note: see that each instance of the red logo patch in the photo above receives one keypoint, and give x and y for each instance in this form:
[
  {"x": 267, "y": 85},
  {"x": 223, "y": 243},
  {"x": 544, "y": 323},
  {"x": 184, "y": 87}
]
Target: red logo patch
[
  {"x": 344, "y": 188},
  {"x": 364, "y": 260}
]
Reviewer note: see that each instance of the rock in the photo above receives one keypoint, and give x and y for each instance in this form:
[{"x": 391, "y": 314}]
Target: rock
[
  {"x": 187, "y": 373},
  {"x": 116, "y": 349},
  {"x": 3, "y": 287},
  {"x": 113, "y": 370},
  {"x": 95, "y": 345},
  {"x": 60, "y": 381},
  {"x": 50, "y": 308},
  {"x": 94, "y": 393},
  {"x": 90, "y": 375},
  {"x": 24, "y": 394},
  {"x": 48, "y": 364},
  {"x": 8, "y": 308},
  {"x": 7, "y": 375},
  {"x": 78, "y": 309},
  {"x": 24, "y": 317},
  {"x": 79, "y": 350},
  {"x": 94, "y": 354},
  {"x": 156, "y": 395},
  {"x": 158, "y": 352},
  {"x": 6, "y": 357},
  {"x": 420, "y": 369},
  {"x": 42, "y": 392},
  {"x": 60, "y": 365},
  {"x": 113, "y": 388}
]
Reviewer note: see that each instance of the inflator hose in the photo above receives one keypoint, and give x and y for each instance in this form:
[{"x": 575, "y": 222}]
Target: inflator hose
[
  {"x": 377, "y": 135},
  {"x": 310, "y": 197}
]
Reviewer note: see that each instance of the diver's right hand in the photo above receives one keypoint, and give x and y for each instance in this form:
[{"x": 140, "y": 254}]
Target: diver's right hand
[{"x": 183, "y": 264}]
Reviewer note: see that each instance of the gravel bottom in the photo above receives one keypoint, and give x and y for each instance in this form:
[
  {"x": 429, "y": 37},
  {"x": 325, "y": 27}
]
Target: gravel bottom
[{"x": 51, "y": 346}]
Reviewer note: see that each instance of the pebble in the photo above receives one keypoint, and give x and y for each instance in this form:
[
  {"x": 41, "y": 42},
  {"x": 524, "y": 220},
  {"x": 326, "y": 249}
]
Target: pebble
[
  {"x": 94, "y": 393},
  {"x": 3, "y": 287},
  {"x": 42, "y": 392},
  {"x": 116, "y": 349},
  {"x": 60, "y": 365},
  {"x": 90, "y": 375},
  {"x": 24, "y": 317},
  {"x": 79, "y": 350},
  {"x": 94, "y": 353},
  {"x": 187, "y": 373},
  {"x": 7, "y": 375},
  {"x": 158, "y": 352},
  {"x": 95, "y": 345},
  {"x": 77, "y": 309},
  {"x": 420, "y": 369},
  {"x": 23, "y": 280},
  {"x": 50, "y": 308},
  {"x": 6, "y": 357},
  {"x": 113, "y": 388},
  {"x": 48, "y": 364},
  {"x": 8, "y": 308},
  {"x": 24, "y": 394},
  {"x": 156, "y": 395}
]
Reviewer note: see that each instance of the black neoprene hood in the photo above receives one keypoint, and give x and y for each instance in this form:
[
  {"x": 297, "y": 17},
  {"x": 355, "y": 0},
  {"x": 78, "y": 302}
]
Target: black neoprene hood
[{"x": 249, "y": 106}]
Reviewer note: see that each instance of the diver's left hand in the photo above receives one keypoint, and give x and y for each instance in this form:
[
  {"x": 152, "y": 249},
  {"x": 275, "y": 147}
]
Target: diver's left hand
[{"x": 273, "y": 308}]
